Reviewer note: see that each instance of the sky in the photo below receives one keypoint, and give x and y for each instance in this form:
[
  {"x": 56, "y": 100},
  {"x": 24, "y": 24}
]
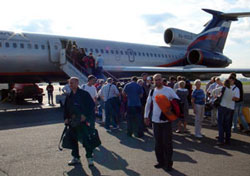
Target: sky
[{"x": 133, "y": 21}]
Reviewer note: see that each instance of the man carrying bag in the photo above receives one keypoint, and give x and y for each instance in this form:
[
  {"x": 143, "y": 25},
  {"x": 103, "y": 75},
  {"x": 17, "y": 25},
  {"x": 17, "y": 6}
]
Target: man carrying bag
[
  {"x": 161, "y": 124},
  {"x": 79, "y": 116}
]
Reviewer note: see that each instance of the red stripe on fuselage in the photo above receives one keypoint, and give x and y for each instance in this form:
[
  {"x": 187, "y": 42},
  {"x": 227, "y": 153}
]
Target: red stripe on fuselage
[
  {"x": 209, "y": 37},
  {"x": 171, "y": 64}
]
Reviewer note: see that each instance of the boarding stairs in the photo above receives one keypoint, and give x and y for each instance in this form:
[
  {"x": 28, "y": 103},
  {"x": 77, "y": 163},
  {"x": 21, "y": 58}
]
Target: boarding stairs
[{"x": 72, "y": 68}]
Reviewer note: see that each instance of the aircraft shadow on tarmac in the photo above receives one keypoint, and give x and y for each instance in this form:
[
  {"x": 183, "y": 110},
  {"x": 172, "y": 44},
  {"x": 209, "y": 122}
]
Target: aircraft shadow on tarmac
[{"x": 28, "y": 118}]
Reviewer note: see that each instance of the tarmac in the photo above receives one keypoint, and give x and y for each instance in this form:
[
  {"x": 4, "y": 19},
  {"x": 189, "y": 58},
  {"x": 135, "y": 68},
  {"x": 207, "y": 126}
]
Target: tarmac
[{"x": 30, "y": 134}]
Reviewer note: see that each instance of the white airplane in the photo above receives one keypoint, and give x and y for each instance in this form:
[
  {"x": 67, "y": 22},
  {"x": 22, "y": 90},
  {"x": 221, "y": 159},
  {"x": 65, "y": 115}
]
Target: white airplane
[{"x": 29, "y": 57}]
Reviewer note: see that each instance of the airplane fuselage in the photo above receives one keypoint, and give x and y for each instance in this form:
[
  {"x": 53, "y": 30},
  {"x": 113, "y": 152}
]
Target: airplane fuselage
[{"x": 34, "y": 57}]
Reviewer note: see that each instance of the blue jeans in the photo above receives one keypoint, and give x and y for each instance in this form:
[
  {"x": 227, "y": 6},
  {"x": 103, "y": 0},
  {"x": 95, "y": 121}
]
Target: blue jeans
[
  {"x": 238, "y": 113},
  {"x": 224, "y": 123},
  {"x": 110, "y": 114}
]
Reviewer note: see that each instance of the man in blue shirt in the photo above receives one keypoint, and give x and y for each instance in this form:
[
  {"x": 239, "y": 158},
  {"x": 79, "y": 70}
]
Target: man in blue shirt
[{"x": 134, "y": 92}]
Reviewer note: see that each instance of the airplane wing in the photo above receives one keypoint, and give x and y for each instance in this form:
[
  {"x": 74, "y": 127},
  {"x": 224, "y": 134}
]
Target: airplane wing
[{"x": 191, "y": 70}]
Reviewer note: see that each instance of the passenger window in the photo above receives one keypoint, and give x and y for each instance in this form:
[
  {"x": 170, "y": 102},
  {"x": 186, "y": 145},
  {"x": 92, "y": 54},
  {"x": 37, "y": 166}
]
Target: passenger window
[
  {"x": 29, "y": 46},
  {"x": 139, "y": 53},
  {"x": 91, "y": 50},
  {"x": 159, "y": 55},
  {"x": 151, "y": 54},
  {"x": 0, "y": 44},
  {"x": 96, "y": 50},
  {"x": 112, "y": 52},
  {"x": 36, "y": 46},
  {"x": 14, "y": 45},
  {"x": 126, "y": 52},
  {"x": 117, "y": 52},
  {"x": 166, "y": 56},
  {"x": 155, "y": 55},
  {"x": 135, "y": 53},
  {"x": 7, "y": 45},
  {"x": 143, "y": 54},
  {"x": 102, "y": 51},
  {"x": 86, "y": 50},
  {"x": 162, "y": 55},
  {"x": 107, "y": 51},
  {"x": 147, "y": 54},
  {"x": 21, "y": 45},
  {"x": 121, "y": 52},
  {"x": 43, "y": 47}
]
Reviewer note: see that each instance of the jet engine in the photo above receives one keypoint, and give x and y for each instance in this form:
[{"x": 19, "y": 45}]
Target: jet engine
[
  {"x": 173, "y": 36},
  {"x": 207, "y": 58}
]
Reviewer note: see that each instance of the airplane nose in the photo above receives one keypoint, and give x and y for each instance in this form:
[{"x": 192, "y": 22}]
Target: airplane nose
[{"x": 229, "y": 61}]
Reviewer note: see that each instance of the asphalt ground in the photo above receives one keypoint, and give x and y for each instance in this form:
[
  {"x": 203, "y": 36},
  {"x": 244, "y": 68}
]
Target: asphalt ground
[
  {"x": 29, "y": 142},
  {"x": 29, "y": 138}
]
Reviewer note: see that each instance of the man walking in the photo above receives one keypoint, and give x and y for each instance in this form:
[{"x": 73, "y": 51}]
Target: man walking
[
  {"x": 78, "y": 113},
  {"x": 108, "y": 94},
  {"x": 162, "y": 128},
  {"x": 134, "y": 117}
]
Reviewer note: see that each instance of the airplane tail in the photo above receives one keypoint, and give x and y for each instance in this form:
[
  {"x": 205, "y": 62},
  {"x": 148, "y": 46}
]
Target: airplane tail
[{"x": 213, "y": 37}]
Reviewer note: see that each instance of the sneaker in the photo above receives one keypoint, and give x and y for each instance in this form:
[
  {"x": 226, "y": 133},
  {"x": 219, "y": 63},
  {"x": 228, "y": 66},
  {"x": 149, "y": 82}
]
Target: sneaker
[
  {"x": 90, "y": 161},
  {"x": 74, "y": 161},
  {"x": 198, "y": 136},
  {"x": 178, "y": 131}
]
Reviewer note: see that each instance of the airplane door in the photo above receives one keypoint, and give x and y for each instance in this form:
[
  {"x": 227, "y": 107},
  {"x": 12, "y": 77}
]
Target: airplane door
[
  {"x": 131, "y": 55},
  {"x": 54, "y": 47}
]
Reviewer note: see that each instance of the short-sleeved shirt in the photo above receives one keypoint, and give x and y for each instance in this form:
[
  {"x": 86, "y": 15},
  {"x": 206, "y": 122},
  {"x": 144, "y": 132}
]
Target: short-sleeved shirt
[
  {"x": 109, "y": 91},
  {"x": 133, "y": 91},
  {"x": 90, "y": 89},
  {"x": 199, "y": 96}
]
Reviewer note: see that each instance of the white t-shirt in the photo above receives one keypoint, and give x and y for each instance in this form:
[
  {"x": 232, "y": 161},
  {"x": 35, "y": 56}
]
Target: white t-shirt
[
  {"x": 168, "y": 92},
  {"x": 91, "y": 90}
]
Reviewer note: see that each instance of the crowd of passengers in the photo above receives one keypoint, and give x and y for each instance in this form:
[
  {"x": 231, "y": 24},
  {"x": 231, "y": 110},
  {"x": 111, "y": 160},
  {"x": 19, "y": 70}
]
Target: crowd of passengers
[
  {"x": 132, "y": 101},
  {"x": 198, "y": 98}
]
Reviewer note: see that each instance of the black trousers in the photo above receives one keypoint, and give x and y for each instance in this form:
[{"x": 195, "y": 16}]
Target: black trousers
[
  {"x": 134, "y": 121},
  {"x": 163, "y": 143}
]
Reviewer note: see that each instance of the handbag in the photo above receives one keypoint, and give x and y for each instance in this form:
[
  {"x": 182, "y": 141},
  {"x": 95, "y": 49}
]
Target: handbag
[
  {"x": 89, "y": 137},
  {"x": 66, "y": 139},
  {"x": 93, "y": 138},
  {"x": 218, "y": 99}
]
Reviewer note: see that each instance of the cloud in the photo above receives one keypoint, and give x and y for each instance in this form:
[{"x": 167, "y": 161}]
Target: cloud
[
  {"x": 36, "y": 25},
  {"x": 155, "y": 19}
]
